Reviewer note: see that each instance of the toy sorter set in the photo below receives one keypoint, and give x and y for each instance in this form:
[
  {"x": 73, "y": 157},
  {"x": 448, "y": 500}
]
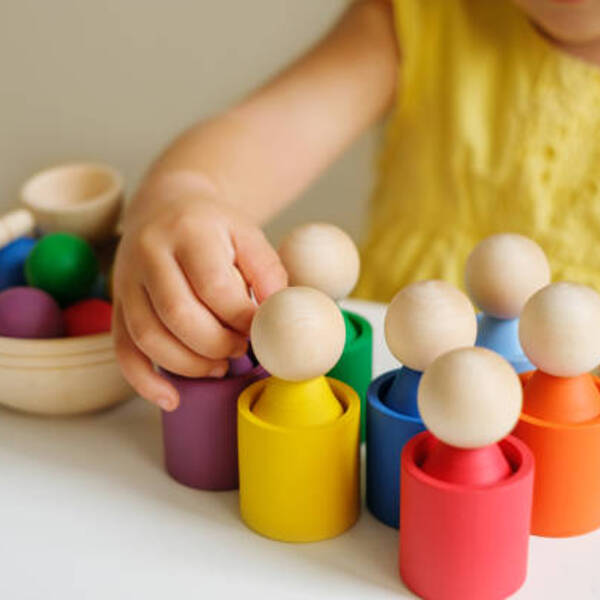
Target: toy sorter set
[
  {"x": 470, "y": 444},
  {"x": 469, "y": 448}
]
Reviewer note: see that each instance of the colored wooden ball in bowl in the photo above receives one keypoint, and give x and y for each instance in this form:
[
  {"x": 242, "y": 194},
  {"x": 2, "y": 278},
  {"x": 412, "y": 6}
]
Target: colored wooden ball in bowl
[
  {"x": 29, "y": 313},
  {"x": 87, "y": 317},
  {"x": 12, "y": 262},
  {"x": 99, "y": 288},
  {"x": 63, "y": 265}
]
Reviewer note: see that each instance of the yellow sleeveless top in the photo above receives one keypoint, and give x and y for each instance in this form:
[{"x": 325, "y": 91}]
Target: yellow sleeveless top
[{"x": 494, "y": 130}]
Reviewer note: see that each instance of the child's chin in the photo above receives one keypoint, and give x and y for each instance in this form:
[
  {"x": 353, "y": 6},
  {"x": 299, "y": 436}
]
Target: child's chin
[{"x": 565, "y": 21}]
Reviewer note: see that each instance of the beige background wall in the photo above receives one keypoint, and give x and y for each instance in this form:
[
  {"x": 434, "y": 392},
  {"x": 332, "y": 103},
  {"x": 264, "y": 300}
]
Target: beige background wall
[{"x": 113, "y": 80}]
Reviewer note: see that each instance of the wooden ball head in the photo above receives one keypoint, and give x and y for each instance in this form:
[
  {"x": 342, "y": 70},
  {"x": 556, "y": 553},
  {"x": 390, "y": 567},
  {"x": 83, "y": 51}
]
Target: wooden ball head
[
  {"x": 298, "y": 334},
  {"x": 321, "y": 256},
  {"x": 470, "y": 398},
  {"x": 560, "y": 329},
  {"x": 427, "y": 319},
  {"x": 503, "y": 271}
]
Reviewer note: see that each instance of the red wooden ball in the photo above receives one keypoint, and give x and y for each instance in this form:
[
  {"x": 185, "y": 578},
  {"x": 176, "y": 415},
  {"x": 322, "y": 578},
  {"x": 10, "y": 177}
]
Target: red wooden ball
[{"x": 87, "y": 317}]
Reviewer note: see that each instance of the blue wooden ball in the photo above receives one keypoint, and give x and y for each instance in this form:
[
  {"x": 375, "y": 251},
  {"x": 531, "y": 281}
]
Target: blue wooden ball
[
  {"x": 99, "y": 288},
  {"x": 12, "y": 262}
]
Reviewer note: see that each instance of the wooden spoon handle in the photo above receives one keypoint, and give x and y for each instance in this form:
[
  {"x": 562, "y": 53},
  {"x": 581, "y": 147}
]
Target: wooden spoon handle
[{"x": 14, "y": 224}]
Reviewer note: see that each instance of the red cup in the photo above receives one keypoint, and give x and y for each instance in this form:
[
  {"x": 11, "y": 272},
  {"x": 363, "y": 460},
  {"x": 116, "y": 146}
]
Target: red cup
[{"x": 460, "y": 542}]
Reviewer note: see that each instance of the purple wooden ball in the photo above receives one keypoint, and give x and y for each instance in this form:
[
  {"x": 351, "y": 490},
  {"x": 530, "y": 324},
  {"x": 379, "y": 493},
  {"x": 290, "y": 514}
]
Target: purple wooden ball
[{"x": 27, "y": 312}]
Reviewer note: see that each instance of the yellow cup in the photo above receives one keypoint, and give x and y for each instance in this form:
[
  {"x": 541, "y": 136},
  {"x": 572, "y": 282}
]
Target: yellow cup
[{"x": 299, "y": 484}]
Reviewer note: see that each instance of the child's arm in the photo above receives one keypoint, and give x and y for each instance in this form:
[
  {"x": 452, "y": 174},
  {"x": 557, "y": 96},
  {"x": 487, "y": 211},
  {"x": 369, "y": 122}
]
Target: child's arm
[{"x": 191, "y": 242}]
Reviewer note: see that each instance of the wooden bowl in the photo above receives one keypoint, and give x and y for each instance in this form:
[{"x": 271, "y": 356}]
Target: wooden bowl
[
  {"x": 62, "y": 376},
  {"x": 80, "y": 198}
]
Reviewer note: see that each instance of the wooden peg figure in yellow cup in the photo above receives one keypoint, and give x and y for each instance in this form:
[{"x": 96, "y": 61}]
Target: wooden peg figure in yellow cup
[
  {"x": 298, "y": 431},
  {"x": 324, "y": 257}
]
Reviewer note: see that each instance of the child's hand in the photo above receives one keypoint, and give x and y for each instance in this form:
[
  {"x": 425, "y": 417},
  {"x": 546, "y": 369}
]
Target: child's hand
[
  {"x": 186, "y": 260},
  {"x": 181, "y": 294}
]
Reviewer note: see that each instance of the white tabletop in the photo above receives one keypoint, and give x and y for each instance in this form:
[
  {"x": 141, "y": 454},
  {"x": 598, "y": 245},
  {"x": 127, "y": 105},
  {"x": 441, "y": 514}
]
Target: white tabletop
[{"x": 87, "y": 512}]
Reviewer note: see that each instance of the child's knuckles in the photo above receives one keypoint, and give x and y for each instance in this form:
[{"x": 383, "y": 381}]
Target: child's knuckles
[
  {"x": 177, "y": 315},
  {"x": 215, "y": 284},
  {"x": 147, "y": 240},
  {"x": 186, "y": 227}
]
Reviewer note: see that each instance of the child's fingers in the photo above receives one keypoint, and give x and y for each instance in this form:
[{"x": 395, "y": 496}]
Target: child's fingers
[
  {"x": 259, "y": 263},
  {"x": 155, "y": 341},
  {"x": 216, "y": 281},
  {"x": 184, "y": 315},
  {"x": 137, "y": 368}
]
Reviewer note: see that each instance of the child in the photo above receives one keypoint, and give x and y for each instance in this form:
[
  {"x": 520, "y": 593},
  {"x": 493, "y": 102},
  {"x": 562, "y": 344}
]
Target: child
[{"x": 495, "y": 126}]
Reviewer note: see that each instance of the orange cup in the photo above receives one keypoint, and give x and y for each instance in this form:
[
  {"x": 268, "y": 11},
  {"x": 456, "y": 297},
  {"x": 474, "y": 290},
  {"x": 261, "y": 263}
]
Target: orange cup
[{"x": 566, "y": 495}]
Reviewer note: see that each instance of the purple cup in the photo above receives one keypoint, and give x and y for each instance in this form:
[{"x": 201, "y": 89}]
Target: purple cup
[{"x": 200, "y": 435}]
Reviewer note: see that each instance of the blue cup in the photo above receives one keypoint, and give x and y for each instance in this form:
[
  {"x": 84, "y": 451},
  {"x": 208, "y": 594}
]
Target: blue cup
[{"x": 388, "y": 430}]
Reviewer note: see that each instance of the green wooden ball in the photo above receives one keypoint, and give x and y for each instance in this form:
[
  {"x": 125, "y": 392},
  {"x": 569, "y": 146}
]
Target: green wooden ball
[{"x": 63, "y": 265}]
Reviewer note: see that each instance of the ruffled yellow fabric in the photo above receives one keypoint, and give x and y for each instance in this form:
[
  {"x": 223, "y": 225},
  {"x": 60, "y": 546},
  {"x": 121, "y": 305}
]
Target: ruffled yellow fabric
[{"x": 494, "y": 130}]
